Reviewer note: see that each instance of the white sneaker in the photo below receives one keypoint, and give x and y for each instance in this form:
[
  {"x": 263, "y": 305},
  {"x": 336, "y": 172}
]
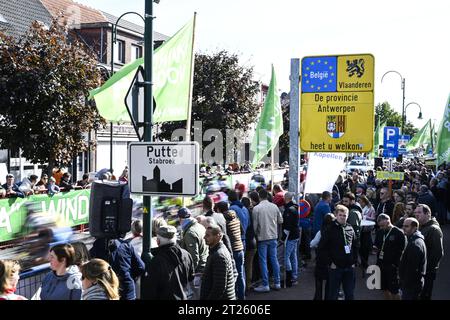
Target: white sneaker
[
  {"x": 277, "y": 286},
  {"x": 262, "y": 288}
]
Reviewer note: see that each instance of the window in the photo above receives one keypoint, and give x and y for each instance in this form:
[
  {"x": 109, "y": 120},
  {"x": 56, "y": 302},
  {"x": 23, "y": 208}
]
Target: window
[
  {"x": 136, "y": 52},
  {"x": 119, "y": 51}
]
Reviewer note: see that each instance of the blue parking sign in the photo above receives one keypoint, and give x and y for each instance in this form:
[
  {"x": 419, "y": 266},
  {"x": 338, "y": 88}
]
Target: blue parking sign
[
  {"x": 402, "y": 142},
  {"x": 390, "y": 142}
]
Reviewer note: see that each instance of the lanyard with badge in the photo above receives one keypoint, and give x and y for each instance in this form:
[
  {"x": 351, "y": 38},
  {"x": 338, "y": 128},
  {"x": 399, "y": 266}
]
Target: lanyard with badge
[
  {"x": 382, "y": 246},
  {"x": 346, "y": 247}
]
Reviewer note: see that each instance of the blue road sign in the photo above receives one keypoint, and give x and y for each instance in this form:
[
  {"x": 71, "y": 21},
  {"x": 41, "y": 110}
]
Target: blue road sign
[
  {"x": 319, "y": 74},
  {"x": 390, "y": 142},
  {"x": 402, "y": 142},
  {"x": 389, "y": 153}
]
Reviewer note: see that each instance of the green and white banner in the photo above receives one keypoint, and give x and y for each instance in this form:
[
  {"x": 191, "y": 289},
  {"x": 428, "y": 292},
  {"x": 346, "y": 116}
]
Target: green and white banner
[
  {"x": 270, "y": 123},
  {"x": 421, "y": 138},
  {"x": 172, "y": 73},
  {"x": 65, "y": 209},
  {"x": 443, "y": 140}
]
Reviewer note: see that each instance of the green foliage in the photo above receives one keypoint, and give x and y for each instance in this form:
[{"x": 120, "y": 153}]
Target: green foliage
[
  {"x": 388, "y": 116},
  {"x": 223, "y": 95},
  {"x": 44, "y": 80}
]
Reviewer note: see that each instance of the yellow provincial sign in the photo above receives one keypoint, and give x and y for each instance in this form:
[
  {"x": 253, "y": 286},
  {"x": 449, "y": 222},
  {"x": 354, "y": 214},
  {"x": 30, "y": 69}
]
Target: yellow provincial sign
[
  {"x": 387, "y": 175},
  {"x": 337, "y": 103}
]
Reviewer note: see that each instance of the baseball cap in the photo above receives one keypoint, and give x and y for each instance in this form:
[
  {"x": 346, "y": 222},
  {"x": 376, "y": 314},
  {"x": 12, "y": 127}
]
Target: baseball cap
[
  {"x": 167, "y": 232},
  {"x": 362, "y": 186},
  {"x": 184, "y": 213}
]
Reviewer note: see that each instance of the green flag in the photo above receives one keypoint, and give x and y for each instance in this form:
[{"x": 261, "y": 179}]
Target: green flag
[
  {"x": 430, "y": 141},
  {"x": 420, "y": 138},
  {"x": 378, "y": 138},
  {"x": 172, "y": 72},
  {"x": 172, "y": 64},
  {"x": 110, "y": 98},
  {"x": 270, "y": 124},
  {"x": 443, "y": 137}
]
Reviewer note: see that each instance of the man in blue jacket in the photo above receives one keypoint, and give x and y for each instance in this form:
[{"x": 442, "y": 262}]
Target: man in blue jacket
[
  {"x": 321, "y": 209},
  {"x": 125, "y": 262}
]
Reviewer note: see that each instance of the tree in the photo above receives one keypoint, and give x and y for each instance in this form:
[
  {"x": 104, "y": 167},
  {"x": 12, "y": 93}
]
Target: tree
[
  {"x": 388, "y": 116},
  {"x": 44, "y": 80},
  {"x": 223, "y": 95}
]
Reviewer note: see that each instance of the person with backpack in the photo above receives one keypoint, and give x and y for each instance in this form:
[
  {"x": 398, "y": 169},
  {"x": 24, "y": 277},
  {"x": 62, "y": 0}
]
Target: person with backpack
[{"x": 127, "y": 265}]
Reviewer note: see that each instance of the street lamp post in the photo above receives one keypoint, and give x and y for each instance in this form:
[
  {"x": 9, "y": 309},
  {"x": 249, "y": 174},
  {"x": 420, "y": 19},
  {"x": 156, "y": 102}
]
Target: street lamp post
[
  {"x": 403, "y": 101},
  {"x": 420, "y": 112},
  {"x": 113, "y": 41}
]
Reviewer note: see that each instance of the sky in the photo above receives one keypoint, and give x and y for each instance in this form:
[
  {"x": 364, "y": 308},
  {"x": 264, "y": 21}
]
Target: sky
[{"x": 410, "y": 37}]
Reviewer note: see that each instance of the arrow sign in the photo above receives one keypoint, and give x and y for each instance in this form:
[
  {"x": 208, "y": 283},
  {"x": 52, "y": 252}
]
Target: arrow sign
[{"x": 134, "y": 101}]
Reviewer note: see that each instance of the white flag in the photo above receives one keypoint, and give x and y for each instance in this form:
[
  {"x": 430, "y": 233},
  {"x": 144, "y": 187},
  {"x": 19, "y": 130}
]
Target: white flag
[{"x": 323, "y": 170}]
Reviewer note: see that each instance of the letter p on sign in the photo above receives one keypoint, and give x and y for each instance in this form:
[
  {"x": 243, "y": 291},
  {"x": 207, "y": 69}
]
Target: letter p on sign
[{"x": 390, "y": 134}]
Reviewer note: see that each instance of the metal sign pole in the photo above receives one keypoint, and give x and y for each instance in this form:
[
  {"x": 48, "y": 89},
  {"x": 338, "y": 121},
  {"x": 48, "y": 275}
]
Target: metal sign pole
[
  {"x": 390, "y": 180},
  {"x": 148, "y": 111},
  {"x": 294, "y": 132}
]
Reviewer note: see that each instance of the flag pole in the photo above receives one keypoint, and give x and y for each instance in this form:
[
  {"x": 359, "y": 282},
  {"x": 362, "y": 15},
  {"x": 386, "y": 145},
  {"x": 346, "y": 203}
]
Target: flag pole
[
  {"x": 431, "y": 137},
  {"x": 191, "y": 86},
  {"x": 271, "y": 167}
]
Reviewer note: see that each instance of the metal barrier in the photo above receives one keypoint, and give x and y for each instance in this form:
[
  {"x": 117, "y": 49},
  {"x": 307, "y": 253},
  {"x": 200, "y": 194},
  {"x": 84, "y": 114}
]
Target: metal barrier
[{"x": 30, "y": 280}]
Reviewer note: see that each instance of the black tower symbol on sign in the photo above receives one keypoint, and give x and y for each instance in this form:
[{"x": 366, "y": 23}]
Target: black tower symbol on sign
[{"x": 158, "y": 185}]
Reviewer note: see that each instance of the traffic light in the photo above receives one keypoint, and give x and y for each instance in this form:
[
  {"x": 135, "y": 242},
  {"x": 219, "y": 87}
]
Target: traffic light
[{"x": 109, "y": 211}]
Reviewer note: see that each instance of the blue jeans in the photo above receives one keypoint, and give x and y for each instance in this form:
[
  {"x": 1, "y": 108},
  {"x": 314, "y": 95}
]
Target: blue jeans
[
  {"x": 240, "y": 281},
  {"x": 346, "y": 276},
  {"x": 264, "y": 247},
  {"x": 291, "y": 257}
]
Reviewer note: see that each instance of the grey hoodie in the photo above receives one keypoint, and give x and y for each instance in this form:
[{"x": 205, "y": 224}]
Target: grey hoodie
[
  {"x": 95, "y": 292},
  {"x": 65, "y": 287}
]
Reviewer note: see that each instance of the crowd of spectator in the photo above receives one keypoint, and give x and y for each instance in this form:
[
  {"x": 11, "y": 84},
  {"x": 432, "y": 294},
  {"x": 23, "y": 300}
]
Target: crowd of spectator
[{"x": 59, "y": 181}]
